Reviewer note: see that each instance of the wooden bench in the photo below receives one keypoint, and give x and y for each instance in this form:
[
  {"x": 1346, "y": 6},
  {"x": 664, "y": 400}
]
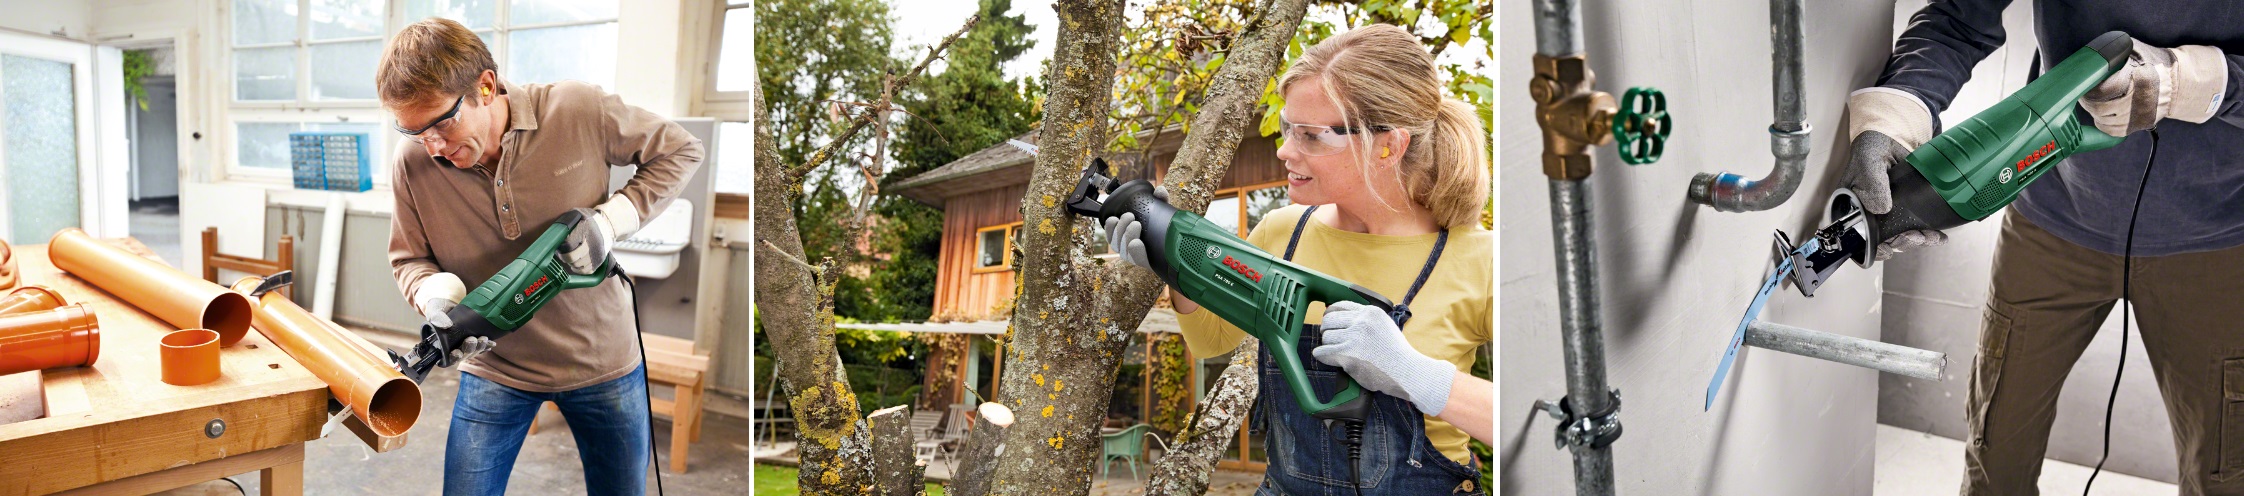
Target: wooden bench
[{"x": 672, "y": 361}]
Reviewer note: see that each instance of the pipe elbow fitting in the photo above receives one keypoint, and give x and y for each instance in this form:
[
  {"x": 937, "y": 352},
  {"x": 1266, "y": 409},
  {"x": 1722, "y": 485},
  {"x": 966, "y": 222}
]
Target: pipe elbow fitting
[{"x": 1730, "y": 192}]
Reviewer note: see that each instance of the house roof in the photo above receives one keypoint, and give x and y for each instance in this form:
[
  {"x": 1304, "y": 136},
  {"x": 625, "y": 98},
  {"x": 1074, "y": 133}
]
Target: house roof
[
  {"x": 988, "y": 165},
  {"x": 999, "y": 166}
]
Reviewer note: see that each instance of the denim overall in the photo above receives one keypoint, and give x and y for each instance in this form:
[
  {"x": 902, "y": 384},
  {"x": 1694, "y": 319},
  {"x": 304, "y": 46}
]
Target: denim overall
[{"x": 1308, "y": 458}]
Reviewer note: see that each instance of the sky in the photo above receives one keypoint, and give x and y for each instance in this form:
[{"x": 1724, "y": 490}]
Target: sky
[{"x": 924, "y": 22}]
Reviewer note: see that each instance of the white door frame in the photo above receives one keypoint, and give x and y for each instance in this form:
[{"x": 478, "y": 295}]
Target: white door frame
[{"x": 98, "y": 77}]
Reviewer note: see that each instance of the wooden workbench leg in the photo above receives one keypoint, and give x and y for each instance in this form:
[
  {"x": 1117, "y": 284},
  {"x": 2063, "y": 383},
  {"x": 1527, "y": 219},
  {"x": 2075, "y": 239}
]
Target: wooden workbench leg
[
  {"x": 694, "y": 435},
  {"x": 681, "y": 427},
  {"x": 286, "y": 479}
]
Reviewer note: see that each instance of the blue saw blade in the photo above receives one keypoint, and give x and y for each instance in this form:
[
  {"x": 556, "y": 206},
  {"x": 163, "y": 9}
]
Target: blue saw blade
[{"x": 1753, "y": 311}]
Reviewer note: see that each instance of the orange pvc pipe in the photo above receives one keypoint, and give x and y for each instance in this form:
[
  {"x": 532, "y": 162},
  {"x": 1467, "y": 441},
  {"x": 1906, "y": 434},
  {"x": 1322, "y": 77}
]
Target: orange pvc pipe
[
  {"x": 189, "y": 357},
  {"x": 60, "y": 337},
  {"x": 31, "y": 299},
  {"x": 7, "y": 266},
  {"x": 380, "y": 396},
  {"x": 162, "y": 291}
]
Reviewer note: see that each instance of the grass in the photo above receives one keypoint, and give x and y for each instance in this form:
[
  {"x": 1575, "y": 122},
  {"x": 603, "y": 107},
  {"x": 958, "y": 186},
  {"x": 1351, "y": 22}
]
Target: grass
[{"x": 780, "y": 480}]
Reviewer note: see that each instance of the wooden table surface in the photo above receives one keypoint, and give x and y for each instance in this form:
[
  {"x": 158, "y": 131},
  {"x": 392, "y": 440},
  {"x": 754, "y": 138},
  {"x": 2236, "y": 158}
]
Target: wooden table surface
[{"x": 118, "y": 423}]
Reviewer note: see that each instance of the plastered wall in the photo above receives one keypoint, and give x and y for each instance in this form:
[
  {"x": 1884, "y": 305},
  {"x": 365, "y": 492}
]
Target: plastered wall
[{"x": 1676, "y": 277}]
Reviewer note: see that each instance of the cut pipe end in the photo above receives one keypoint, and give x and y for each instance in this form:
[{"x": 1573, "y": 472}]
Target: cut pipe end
[
  {"x": 395, "y": 407},
  {"x": 229, "y": 315}
]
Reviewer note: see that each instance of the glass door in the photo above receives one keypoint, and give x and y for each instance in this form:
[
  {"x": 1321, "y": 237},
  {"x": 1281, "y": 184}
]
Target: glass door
[{"x": 39, "y": 148}]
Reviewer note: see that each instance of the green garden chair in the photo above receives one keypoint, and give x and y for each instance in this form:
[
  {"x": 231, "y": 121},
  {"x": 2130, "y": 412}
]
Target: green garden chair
[{"x": 1128, "y": 445}]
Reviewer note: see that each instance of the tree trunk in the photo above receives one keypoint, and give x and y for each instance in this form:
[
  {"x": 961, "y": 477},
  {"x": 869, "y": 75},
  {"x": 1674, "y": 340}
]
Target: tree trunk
[
  {"x": 1073, "y": 319},
  {"x": 896, "y": 470},
  {"x": 800, "y": 322},
  {"x": 1196, "y": 449}
]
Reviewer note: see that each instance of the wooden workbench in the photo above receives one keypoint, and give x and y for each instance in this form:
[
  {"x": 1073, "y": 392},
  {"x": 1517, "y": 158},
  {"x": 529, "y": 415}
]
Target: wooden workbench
[{"x": 116, "y": 428}]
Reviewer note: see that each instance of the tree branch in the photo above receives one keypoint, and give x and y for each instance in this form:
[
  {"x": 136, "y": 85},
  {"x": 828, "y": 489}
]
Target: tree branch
[{"x": 795, "y": 174}]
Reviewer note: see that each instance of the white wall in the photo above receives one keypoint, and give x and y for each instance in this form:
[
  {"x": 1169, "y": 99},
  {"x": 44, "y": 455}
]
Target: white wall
[
  {"x": 1934, "y": 299},
  {"x": 1675, "y": 277},
  {"x": 72, "y": 19}
]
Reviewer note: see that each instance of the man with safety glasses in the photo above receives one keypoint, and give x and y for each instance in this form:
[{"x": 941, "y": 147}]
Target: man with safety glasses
[{"x": 486, "y": 165}]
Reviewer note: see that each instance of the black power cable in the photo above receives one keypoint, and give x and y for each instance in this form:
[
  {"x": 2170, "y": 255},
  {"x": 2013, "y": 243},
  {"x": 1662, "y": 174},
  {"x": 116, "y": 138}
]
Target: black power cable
[
  {"x": 2126, "y": 283},
  {"x": 639, "y": 330}
]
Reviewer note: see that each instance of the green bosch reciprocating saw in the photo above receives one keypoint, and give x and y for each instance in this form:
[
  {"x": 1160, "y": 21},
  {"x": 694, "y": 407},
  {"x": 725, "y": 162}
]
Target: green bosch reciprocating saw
[
  {"x": 507, "y": 300},
  {"x": 1971, "y": 170},
  {"x": 1262, "y": 294}
]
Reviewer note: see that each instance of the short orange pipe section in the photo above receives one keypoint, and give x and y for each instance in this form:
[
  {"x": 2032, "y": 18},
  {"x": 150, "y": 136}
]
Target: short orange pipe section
[
  {"x": 160, "y": 290},
  {"x": 30, "y": 299},
  {"x": 380, "y": 396},
  {"x": 189, "y": 357},
  {"x": 57, "y": 337}
]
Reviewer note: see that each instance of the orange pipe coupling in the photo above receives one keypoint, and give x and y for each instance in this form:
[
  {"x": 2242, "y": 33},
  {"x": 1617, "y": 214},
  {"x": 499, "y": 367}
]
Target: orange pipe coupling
[
  {"x": 58, "y": 337},
  {"x": 189, "y": 357},
  {"x": 31, "y": 299},
  {"x": 380, "y": 396},
  {"x": 167, "y": 293}
]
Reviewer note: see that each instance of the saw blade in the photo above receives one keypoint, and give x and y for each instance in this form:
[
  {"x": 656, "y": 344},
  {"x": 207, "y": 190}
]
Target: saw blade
[{"x": 1752, "y": 312}]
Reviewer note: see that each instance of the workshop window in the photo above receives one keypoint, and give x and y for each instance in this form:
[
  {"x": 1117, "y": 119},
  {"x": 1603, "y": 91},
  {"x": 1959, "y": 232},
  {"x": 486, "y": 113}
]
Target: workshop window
[{"x": 308, "y": 65}]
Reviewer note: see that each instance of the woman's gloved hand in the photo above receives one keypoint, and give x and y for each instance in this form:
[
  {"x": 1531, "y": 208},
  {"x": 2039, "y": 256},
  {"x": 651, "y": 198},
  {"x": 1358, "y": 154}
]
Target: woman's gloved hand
[
  {"x": 1365, "y": 342},
  {"x": 1123, "y": 231}
]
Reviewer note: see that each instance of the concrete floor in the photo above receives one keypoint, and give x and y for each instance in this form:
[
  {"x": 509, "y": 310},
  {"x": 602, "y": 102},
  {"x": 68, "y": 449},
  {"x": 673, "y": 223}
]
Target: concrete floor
[
  {"x": 548, "y": 465},
  {"x": 1914, "y": 463}
]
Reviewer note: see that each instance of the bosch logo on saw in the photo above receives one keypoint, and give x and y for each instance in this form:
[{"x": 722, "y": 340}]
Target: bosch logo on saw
[
  {"x": 534, "y": 285},
  {"x": 2037, "y": 155},
  {"x": 1242, "y": 269}
]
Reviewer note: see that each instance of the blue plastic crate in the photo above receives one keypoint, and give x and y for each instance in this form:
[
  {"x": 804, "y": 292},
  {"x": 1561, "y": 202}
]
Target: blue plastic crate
[{"x": 331, "y": 161}]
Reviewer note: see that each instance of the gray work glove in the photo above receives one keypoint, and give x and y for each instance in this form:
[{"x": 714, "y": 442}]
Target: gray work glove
[
  {"x": 1123, "y": 234},
  {"x": 1886, "y": 125},
  {"x": 1365, "y": 342},
  {"x": 469, "y": 348},
  {"x": 2184, "y": 83}
]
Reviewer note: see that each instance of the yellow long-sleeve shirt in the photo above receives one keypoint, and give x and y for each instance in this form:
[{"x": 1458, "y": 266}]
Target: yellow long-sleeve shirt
[{"x": 1451, "y": 317}]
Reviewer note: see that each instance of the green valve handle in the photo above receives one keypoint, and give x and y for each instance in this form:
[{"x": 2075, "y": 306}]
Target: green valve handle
[{"x": 1641, "y": 128}]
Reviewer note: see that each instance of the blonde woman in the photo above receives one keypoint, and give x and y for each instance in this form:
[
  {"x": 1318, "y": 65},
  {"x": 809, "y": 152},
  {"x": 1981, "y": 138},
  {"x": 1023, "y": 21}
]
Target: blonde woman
[{"x": 1388, "y": 178}]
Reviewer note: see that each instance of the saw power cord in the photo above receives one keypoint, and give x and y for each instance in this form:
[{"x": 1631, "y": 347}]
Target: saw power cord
[
  {"x": 639, "y": 330},
  {"x": 2126, "y": 281}
]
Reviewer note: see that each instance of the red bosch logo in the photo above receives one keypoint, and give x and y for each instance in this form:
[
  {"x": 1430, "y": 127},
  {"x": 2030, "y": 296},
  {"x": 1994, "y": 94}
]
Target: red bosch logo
[
  {"x": 534, "y": 286},
  {"x": 2037, "y": 155},
  {"x": 1242, "y": 269}
]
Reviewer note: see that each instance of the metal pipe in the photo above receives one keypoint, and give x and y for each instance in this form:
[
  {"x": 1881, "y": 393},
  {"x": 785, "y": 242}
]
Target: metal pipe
[
  {"x": 173, "y": 296},
  {"x": 68, "y": 336},
  {"x": 1788, "y": 136},
  {"x": 1869, "y": 354},
  {"x": 1571, "y": 114},
  {"x": 32, "y": 299},
  {"x": 376, "y": 393}
]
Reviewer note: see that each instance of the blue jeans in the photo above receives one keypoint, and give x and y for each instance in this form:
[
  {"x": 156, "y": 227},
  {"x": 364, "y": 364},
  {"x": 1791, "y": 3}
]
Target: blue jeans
[
  {"x": 489, "y": 420},
  {"x": 1308, "y": 458}
]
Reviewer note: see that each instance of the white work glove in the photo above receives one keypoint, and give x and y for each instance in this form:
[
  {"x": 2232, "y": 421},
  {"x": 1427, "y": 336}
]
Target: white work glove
[
  {"x": 1886, "y": 125},
  {"x": 439, "y": 294},
  {"x": 592, "y": 240},
  {"x": 436, "y": 295},
  {"x": 1365, "y": 342},
  {"x": 1123, "y": 234},
  {"x": 2184, "y": 83}
]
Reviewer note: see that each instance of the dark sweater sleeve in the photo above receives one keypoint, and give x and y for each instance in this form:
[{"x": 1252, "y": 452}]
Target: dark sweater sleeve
[
  {"x": 1934, "y": 56},
  {"x": 2232, "y": 111}
]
